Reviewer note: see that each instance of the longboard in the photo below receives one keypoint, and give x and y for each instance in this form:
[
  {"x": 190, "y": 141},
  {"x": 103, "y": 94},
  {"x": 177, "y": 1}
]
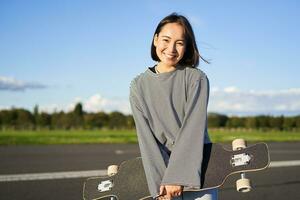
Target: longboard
[{"x": 129, "y": 183}]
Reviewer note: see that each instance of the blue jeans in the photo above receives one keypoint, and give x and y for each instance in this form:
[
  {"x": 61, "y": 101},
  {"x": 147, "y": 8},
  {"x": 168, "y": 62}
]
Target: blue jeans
[{"x": 201, "y": 195}]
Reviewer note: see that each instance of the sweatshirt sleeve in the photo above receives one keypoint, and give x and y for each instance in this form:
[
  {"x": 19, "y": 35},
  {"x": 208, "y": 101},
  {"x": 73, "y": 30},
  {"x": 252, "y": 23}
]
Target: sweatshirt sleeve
[
  {"x": 153, "y": 161},
  {"x": 184, "y": 166}
]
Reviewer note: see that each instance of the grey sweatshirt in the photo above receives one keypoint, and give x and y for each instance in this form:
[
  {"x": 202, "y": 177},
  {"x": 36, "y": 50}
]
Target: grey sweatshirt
[{"x": 170, "y": 114}]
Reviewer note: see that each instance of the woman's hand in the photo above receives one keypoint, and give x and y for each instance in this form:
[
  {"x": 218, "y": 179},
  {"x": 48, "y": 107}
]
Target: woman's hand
[{"x": 170, "y": 191}]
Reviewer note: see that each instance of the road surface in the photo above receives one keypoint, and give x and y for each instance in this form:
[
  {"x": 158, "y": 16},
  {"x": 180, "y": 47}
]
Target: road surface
[{"x": 58, "y": 171}]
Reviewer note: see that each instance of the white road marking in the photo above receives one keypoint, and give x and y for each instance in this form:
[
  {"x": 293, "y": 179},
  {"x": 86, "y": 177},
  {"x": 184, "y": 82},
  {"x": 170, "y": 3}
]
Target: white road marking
[
  {"x": 51, "y": 175},
  {"x": 288, "y": 163},
  {"x": 285, "y": 151},
  {"x": 90, "y": 173},
  {"x": 119, "y": 152}
]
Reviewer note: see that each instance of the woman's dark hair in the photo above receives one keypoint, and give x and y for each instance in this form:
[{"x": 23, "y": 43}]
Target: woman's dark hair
[{"x": 191, "y": 55}]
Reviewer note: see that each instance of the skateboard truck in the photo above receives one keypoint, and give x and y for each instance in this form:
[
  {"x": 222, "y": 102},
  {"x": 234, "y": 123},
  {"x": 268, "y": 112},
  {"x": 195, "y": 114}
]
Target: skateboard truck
[
  {"x": 104, "y": 186},
  {"x": 240, "y": 159},
  {"x": 108, "y": 184},
  {"x": 243, "y": 184}
]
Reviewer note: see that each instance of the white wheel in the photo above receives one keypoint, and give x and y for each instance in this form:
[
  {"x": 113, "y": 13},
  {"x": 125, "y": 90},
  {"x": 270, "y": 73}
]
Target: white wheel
[
  {"x": 238, "y": 144},
  {"x": 243, "y": 185},
  {"x": 112, "y": 170}
]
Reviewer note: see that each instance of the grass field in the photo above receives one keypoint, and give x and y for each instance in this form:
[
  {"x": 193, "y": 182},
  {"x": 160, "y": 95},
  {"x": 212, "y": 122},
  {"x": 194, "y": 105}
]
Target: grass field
[{"x": 127, "y": 136}]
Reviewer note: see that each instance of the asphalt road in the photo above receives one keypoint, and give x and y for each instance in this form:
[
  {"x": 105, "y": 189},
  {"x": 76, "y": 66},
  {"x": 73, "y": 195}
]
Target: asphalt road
[{"x": 271, "y": 184}]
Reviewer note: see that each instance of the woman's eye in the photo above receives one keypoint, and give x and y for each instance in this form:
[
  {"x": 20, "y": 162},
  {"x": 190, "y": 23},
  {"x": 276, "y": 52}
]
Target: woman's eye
[
  {"x": 165, "y": 40},
  {"x": 180, "y": 43}
]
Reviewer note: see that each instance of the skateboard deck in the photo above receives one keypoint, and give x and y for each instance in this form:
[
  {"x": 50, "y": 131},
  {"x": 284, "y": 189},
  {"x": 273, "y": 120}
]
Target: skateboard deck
[{"x": 129, "y": 183}]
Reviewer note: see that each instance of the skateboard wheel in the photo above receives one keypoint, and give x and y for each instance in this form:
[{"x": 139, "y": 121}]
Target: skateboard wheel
[
  {"x": 238, "y": 144},
  {"x": 112, "y": 170},
  {"x": 243, "y": 185}
]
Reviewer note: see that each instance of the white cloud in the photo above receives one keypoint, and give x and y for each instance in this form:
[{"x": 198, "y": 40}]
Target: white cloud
[
  {"x": 8, "y": 83},
  {"x": 98, "y": 103},
  {"x": 231, "y": 89},
  {"x": 231, "y": 100},
  {"x": 4, "y": 107},
  {"x": 94, "y": 103}
]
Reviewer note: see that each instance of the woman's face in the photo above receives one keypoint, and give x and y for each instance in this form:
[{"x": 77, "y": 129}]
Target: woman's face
[{"x": 170, "y": 44}]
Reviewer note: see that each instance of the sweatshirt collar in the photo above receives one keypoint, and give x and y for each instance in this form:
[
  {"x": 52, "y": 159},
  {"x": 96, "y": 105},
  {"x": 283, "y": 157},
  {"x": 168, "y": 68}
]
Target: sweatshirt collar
[{"x": 161, "y": 75}]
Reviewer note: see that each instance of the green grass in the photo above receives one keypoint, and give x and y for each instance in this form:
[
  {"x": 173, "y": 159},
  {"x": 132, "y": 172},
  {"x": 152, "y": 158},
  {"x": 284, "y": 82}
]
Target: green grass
[
  {"x": 12, "y": 137},
  {"x": 67, "y": 137},
  {"x": 255, "y": 135}
]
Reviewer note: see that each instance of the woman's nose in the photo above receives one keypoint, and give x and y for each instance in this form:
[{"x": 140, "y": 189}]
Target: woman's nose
[{"x": 172, "y": 47}]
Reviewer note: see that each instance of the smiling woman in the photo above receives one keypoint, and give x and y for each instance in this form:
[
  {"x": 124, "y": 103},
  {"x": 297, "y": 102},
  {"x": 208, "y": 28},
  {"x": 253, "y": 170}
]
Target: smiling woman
[{"x": 169, "y": 106}]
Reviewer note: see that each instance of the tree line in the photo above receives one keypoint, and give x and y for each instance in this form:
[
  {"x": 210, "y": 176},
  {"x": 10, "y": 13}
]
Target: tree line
[
  {"x": 22, "y": 119},
  {"x": 216, "y": 120}
]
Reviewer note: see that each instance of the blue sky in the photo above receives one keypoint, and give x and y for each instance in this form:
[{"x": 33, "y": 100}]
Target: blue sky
[{"x": 57, "y": 53}]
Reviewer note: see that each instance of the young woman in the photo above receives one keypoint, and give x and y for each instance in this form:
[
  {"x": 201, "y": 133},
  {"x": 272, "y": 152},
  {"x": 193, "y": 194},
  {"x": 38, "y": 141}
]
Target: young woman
[{"x": 169, "y": 106}]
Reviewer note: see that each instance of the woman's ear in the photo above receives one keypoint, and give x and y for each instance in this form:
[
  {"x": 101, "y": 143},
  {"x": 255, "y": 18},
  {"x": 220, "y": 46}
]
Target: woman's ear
[{"x": 155, "y": 39}]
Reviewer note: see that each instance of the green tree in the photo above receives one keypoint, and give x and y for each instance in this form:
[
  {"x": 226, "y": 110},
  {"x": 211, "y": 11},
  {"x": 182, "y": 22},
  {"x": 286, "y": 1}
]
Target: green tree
[
  {"x": 25, "y": 119},
  {"x": 276, "y": 122},
  {"x": 117, "y": 120},
  {"x": 43, "y": 120},
  {"x": 104, "y": 119},
  {"x": 235, "y": 122},
  {"x": 9, "y": 118},
  {"x": 96, "y": 120},
  {"x": 130, "y": 122},
  {"x": 289, "y": 123},
  {"x": 77, "y": 116},
  {"x": 61, "y": 120},
  {"x": 251, "y": 122},
  {"x": 297, "y": 121},
  {"x": 78, "y": 111},
  {"x": 263, "y": 121},
  {"x": 36, "y": 114},
  {"x": 216, "y": 120}
]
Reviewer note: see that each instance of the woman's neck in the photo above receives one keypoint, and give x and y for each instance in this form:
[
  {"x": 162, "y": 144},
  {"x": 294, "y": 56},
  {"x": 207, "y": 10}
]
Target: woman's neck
[{"x": 161, "y": 68}]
